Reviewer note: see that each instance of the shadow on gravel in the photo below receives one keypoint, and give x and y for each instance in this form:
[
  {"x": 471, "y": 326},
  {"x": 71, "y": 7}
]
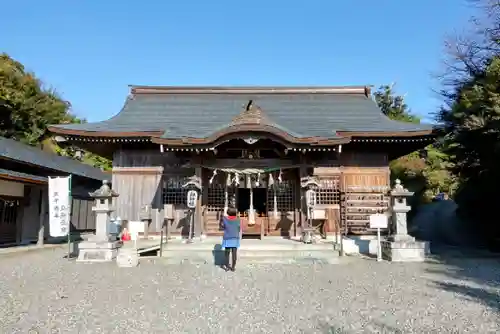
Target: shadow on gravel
[
  {"x": 476, "y": 274},
  {"x": 490, "y": 299},
  {"x": 373, "y": 327}
]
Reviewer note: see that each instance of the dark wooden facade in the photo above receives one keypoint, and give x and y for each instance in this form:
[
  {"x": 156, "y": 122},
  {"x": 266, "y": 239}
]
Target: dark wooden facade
[
  {"x": 162, "y": 183},
  {"x": 163, "y": 136}
]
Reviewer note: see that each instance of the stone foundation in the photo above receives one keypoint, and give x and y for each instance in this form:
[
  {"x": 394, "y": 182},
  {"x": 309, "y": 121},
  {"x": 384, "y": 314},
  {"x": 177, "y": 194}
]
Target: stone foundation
[
  {"x": 127, "y": 257},
  {"x": 405, "y": 251},
  {"x": 98, "y": 251}
]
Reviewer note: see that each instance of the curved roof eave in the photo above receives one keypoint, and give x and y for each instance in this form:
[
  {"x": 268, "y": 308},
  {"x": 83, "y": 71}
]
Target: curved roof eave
[{"x": 277, "y": 132}]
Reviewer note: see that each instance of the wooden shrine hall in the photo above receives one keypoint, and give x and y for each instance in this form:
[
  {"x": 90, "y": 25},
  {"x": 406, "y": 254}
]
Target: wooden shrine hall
[{"x": 250, "y": 147}]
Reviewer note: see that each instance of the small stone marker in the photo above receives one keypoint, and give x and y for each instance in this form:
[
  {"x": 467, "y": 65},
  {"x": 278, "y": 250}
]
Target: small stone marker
[{"x": 127, "y": 258}]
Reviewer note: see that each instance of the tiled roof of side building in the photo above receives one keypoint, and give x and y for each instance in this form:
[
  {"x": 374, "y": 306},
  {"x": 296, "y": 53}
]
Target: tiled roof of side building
[
  {"x": 14, "y": 150},
  {"x": 305, "y": 112}
]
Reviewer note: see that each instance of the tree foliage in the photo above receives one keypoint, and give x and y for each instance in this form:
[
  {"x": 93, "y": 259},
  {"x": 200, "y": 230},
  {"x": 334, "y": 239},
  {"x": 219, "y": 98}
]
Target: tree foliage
[
  {"x": 27, "y": 107},
  {"x": 472, "y": 133},
  {"x": 471, "y": 117},
  {"x": 425, "y": 174},
  {"x": 393, "y": 106}
]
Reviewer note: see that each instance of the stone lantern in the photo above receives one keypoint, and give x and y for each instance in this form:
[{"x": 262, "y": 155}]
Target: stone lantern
[
  {"x": 400, "y": 246},
  {"x": 102, "y": 246}
]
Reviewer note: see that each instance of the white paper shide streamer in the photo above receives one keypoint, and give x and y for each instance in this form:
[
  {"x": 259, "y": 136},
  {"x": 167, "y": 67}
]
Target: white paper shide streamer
[{"x": 213, "y": 176}]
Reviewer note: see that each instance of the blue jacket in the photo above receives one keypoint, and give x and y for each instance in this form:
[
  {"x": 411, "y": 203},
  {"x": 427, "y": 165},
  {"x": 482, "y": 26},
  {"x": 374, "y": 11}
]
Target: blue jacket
[{"x": 232, "y": 227}]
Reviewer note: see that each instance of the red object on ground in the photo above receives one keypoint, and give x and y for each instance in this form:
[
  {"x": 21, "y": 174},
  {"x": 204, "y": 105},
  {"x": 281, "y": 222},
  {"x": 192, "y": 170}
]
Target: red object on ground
[{"x": 125, "y": 235}]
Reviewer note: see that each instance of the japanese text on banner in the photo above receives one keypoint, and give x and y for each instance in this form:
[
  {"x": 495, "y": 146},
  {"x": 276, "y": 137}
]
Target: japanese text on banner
[{"x": 59, "y": 206}]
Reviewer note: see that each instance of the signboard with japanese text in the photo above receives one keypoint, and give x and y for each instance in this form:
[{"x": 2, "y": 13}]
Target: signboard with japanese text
[
  {"x": 134, "y": 228},
  {"x": 378, "y": 221},
  {"x": 59, "y": 206}
]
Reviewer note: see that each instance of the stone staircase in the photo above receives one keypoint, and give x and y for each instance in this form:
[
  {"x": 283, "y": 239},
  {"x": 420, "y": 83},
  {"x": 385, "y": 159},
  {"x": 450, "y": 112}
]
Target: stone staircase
[{"x": 270, "y": 250}]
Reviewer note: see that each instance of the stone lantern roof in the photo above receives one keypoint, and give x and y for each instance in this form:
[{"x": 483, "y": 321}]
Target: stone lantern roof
[{"x": 104, "y": 191}]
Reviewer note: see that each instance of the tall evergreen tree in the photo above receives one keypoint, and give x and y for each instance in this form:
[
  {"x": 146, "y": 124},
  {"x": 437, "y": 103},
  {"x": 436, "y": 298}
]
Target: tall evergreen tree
[
  {"x": 472, "y": 133},
  {"x": 393, "y": 105}
]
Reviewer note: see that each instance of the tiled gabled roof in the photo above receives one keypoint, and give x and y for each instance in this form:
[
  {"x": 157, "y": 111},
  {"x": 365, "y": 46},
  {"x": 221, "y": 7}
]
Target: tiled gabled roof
[{"x": 179, "y": 112}]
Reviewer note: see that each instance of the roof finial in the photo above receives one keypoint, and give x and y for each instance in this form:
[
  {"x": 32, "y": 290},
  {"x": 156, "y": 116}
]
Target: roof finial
[{"x": 249, "y": 105}]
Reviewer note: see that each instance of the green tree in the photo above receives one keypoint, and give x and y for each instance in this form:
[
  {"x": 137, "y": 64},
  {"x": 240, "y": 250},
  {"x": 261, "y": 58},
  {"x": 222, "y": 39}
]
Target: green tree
[
  {"x": 472, "y": 133},
  {"x": 425, "y": 174},
  {"x": 471, "y": 117},
  {"x": 27, "y": 107},
  {"x": 393, "y": 106}
]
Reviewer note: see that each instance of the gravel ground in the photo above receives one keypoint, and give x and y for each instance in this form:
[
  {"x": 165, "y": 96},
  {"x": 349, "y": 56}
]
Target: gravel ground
[{"x": 41, "y": 292}]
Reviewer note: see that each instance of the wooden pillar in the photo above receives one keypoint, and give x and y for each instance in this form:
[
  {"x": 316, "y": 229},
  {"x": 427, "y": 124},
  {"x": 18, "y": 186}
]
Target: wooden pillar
[
  {"x": 21, "y": 212},
  {"x": 159, "y": 213},
  {"x": 204, "y": 200},
  {"x": 41, "y": 217},
  {"x": 303, "y": 208},
  {"x": 198, "y": 226}
]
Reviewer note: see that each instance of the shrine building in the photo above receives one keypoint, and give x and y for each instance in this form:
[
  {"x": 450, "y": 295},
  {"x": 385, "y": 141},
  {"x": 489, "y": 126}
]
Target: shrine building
[{"x": 250, "y": 147}]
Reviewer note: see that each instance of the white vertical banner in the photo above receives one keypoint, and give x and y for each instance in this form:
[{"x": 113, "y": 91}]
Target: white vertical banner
[{"x": 59, "y": 206}]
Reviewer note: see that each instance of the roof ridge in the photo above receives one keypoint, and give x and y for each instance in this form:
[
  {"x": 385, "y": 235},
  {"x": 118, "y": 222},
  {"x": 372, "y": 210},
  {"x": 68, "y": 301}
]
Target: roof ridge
[
  {"x": 358, "y": 90},
  {"x": 252, "y": 114}
]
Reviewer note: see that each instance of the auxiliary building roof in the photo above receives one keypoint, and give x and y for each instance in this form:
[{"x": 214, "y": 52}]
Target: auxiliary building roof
[
  {"x": 7, "y": 174},
  {"x": 16, "y": 151},
  {"x": 201, "y": 112}
]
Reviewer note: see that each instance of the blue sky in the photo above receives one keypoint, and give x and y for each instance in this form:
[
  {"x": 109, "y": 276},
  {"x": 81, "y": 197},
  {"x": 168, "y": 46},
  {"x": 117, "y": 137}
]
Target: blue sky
[{"x": 91, "y": 50}]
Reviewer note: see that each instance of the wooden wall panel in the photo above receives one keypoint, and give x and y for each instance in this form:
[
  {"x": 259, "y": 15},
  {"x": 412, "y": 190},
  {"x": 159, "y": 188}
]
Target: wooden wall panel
[
  {"x": 137, "y": 187},
  {"x": 365, "y": 177},
  {"x": 138, "y": 178}
]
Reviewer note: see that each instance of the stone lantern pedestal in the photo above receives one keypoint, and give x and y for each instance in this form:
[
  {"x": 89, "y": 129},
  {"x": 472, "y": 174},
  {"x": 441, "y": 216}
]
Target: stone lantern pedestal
[
  {"x": 400, "y": 246},
  {"x": 101, "y": 247}
]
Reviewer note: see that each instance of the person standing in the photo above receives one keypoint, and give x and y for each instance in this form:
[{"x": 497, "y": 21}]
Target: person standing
[{"x": 232, "y": 236}]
